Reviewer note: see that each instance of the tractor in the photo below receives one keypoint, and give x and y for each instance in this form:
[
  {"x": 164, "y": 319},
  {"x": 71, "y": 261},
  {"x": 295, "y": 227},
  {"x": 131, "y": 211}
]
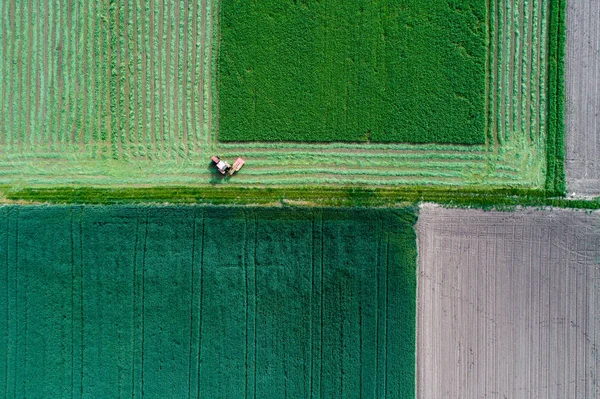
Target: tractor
[{"x": 224, "y": 168}]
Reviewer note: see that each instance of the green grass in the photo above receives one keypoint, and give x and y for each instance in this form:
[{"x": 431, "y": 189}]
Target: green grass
[
  {"x": 384, "y": 71},
  {"x": 216, "y": 302},
  {"x": 89, "y": 124},
  {"x": 298, "y": 196},
  {"x": 104, "y": 80},
  {"x": 555, "y": 180}
]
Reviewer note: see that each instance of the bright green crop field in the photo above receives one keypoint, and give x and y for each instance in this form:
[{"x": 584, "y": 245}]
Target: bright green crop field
[
  {"x": 385, "y": 71},
  {"x": 211, "y": 302},
  {"x": 121, "y": 94}
]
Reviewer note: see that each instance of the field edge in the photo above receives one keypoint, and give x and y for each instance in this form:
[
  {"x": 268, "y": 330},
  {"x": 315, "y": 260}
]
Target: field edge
[
  {"x": 555, "y": 178},
  {"x": 300, "y": 196}
]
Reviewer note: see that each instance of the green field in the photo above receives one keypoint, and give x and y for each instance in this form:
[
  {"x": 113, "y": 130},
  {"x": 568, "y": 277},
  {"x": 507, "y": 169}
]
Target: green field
[
  {"x": 170, "y": 302},
  {"x": 125, "y": 94},
  {"x": 383, "y": 71}
]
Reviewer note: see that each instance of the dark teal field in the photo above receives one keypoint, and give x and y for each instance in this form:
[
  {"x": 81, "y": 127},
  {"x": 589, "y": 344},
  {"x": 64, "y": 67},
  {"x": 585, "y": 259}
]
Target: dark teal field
[
  {"x": 362, "y": 70},
  {"x": 214, "y": 302}
]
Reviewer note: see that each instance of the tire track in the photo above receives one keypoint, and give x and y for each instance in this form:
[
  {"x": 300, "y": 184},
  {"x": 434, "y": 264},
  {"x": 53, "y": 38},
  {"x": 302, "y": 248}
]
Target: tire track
[
  {"x": 531, "y": 309},
  {"x": 3, "y": 77}
]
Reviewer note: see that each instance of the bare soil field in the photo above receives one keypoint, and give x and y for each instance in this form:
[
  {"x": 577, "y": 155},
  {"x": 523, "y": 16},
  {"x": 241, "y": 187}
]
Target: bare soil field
[
  {"x": 582, "y": 79},
  {"x": 508, "y": 304}
]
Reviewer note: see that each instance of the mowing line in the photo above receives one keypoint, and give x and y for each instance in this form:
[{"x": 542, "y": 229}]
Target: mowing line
[
  {"x": 205, "y": 71},
  {"x": 157, "y": 59},
  {"x": 3, "y": 80},
  {"x": 189, "y": 75},
  {"x": 141, "y": 107},
  {"x": 89, "y": 79},
  {"x": 59, "y": 91},
  {"x": 153, "y": 40},
  {"x": 354, "y": 146},
  {"x": 183, "y": 84},
  {"x": 3, "y": 76},
  {"x": 38, "y": 62},
  {"x": 179, "y": 32},
  {"x": 128, "y": 92},
  {"x": 154, "y": 60},
  {"x": 12, "y": 82},
  {"x": 175, "y": 132},
  {"x": 99, "y": 92},
  {"x": 516, "y": 59},
  {"x": 210, "y": 65},
  {"x": 79, "y": 53},
  {"x": 105, "y": 127},
  {"x": 135, "y": 65},
  {"x": 65, "y": 74},
  {"x": 118, "y": 84},
  {"x": 74, "y": 133},
  {"x": 198, "y": 70},
  {"x": 508, "y": 58},
  {"x": 148, "y": 94},
  {"x": 13, "y": 40},
  {"x": 168, "y": 72},
  {"x": 162, "y": 64},
  {"x": 30, "y": 59},
  {"x": 20, "y": 61},
  {"x": 165, "y": 79},
  {"x": 350, "y": 156},
  {"x": 181, "y": 70},
  {"x": 4, "y": 73}
]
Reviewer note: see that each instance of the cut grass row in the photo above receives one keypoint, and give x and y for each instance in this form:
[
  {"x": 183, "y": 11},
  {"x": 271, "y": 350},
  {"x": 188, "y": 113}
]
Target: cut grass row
[{"x": 123, "y": 80}]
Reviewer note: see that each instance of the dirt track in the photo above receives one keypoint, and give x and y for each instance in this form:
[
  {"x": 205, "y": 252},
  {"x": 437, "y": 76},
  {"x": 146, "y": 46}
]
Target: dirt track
[
  {"x": 582, "y": 79},
  {"x": 508, "y": 304}
]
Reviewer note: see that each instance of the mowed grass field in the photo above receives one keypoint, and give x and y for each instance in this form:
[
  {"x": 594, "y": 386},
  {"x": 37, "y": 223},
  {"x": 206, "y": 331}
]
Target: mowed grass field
[
  {"x": 219, "y": 302},
  {"x": 122, "y": 94},
  {"x": 382, "y": 71}
]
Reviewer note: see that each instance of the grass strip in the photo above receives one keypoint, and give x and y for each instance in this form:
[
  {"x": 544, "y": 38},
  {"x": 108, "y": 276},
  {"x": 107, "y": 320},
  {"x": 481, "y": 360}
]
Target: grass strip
[
  {"x": 297, "y": 195},
  {"x": 555, "y": 178}
]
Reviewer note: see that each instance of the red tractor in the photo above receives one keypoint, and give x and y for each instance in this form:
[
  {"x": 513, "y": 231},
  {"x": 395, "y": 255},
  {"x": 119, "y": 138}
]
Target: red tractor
[{"x": 225, "y": 168}]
